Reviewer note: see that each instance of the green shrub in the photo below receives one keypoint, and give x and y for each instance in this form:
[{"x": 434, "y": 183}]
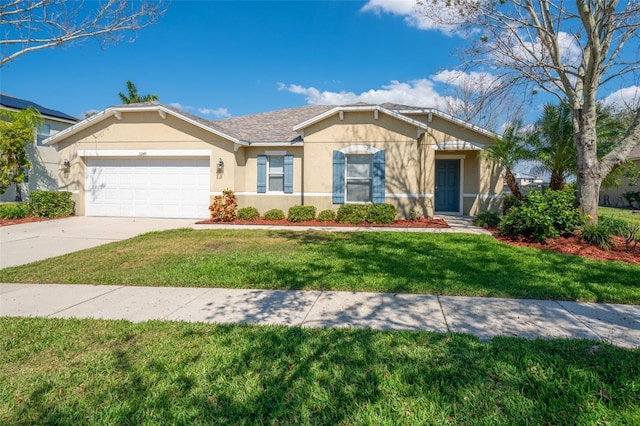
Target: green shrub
[
  {"x": 509, "y": 201},
  {"x": 50, "y": 204},
  {"x": 616, "y": 226},
  {"x": 632, "y": 197},
  {"x": 327, "y": 216},
  {"x": 543, "y": 215},
  {"x": 487, "y": 219},
  {"x": 14, "y": 211},
  {"x": 224, "y": 207},
  {"x": 597, "y": 235},
  {"x": 274, "y": 214},
  {"x": 301, "y": 213},
  {"x": 352, "y": 213},
  {"x": 381, "y": 213},
  {"x": 248, "y": 213}
]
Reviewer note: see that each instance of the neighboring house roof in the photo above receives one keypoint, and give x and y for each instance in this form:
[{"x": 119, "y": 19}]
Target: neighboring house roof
[
  {"x": 9, "y": 102},
  {"x": 269, "y": 128}
]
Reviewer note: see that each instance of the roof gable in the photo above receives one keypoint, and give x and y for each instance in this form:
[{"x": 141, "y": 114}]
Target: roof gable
[
  {"x": 11, "y": 102},
  {"x": 161, "y": 109}
]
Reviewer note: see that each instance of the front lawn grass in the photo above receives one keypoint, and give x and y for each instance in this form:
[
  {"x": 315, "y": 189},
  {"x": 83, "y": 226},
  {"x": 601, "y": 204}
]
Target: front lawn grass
[
  {"x": 56, "y": 371},
  {"x": 624, "y": 214},
  {"x": 396, "y": 262}
]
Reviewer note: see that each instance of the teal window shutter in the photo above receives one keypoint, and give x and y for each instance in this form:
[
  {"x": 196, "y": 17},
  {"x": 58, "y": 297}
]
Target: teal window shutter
[
  {"x": 378, "y": 177},
  {"x": 338, "y": 177},
  {"x": 262, "y": 174},
  {"x": 288, "y": 174}
]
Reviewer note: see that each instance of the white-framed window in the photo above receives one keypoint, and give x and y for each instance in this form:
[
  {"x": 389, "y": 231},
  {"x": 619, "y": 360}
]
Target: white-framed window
[
  {"x": 275, "y": 173},
  {"x": 358, "y": 177},
  {"x": 42, "y": 132}
]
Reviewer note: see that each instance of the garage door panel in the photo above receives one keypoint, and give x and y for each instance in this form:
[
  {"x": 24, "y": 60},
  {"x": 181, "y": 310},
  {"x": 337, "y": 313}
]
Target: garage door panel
[{"x": 150, "y": 187}]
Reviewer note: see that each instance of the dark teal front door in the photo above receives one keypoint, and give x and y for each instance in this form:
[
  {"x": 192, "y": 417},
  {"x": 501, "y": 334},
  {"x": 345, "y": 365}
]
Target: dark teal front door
[{"x": 447, "y": 185}]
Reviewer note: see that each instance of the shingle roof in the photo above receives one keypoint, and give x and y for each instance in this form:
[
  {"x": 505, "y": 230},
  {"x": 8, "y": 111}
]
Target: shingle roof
[
  {"x": 16, "y": 103},
  {"x": 272, "y": 126}
]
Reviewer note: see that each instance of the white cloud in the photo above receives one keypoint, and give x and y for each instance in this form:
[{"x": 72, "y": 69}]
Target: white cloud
[
  {"x": 478, "y": 80},
  {"x": 413, "y": 15},
  {"x": 178, "y": 105},
  {"x": 217, "y": 112},
  {"x": 416, "y": 92},
  {"x": 627, "y": 97}
]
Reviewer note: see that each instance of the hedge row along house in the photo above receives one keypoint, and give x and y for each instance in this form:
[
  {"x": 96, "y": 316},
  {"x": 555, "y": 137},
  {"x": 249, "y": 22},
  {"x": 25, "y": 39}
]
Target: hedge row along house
[{"x": 153, "y": 160}]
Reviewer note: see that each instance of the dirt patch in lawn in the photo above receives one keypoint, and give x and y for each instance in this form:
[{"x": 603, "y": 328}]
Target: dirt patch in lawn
[{"x": 418, "y": 223}]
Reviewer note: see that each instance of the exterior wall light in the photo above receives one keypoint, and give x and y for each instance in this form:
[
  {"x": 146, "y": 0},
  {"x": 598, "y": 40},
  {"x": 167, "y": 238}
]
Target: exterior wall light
[
  {"x": 66, "y": 164},
  {"x": 220, "y": 169}
]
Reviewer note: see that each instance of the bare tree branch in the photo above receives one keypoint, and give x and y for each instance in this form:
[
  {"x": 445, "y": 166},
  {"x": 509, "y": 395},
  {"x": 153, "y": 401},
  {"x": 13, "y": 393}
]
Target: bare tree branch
[{"x": 30, "y": 25}]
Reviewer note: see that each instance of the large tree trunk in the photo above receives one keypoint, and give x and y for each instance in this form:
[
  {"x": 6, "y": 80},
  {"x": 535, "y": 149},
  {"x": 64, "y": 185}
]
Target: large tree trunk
[{"x": 589, "y": 176}]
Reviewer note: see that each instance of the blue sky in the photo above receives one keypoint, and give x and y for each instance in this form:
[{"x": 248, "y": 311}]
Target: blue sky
[{"x": 218, "y": 59}]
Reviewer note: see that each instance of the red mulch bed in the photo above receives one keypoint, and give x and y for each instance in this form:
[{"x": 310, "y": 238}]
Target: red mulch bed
[
  {"x": 7, "y": 222},
  {"x": 574, "y": 245},
  {"x": 418, "y": 223}
]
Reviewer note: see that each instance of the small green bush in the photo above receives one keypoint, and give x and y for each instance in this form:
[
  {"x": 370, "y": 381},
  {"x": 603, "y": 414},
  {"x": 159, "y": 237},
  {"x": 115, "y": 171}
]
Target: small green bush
[
  {"x": 274, "y": 214},
  {"x": 616, "y": 226},
  {"x": 14, "y": 211},
  {"x": 381, "y": 213},
  {"x": 352, "y": 213},
  {"x": 597, "y": 235},
  {"x": 509, "y": 201},
  {"x": 50, "y": 204},
  {"x": 248, "y": 213},
  {"x": 632, "y": 197},
  {"x": 301, "y": 213},
  {"x": 327, "y": 216},
  {"x": 544, "y": 215},
  {"x": 487, "y": 219}
]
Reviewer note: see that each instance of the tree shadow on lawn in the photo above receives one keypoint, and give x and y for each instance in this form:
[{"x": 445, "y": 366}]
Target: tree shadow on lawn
[
  {"x": 450, "y": 264},
  {"x": 176, "y": 373}
]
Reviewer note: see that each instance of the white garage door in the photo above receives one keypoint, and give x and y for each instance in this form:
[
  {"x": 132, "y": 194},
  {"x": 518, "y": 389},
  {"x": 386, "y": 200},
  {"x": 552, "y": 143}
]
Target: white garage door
[{"x": 147, "y": 187}]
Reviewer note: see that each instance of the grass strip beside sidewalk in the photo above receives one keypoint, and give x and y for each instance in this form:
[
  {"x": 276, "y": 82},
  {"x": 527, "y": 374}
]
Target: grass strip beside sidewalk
[{"x": 56, "y": 371}]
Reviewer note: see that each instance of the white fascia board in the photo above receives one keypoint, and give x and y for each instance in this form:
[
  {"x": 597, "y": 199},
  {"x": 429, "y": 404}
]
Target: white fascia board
[
  {"x": 358, "y": 108},
  {"x": 458, "y": 146},
  {"x": 274, "y": 144},
  {"x": 102, "y": 115},
  {"x": 144, "y": 153},
  {"x": 451, "y": 118}
]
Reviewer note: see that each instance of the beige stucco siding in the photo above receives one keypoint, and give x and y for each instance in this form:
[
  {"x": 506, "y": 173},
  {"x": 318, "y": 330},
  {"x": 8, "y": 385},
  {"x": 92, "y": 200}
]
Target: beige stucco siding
[{"x": 142, "y": 134}]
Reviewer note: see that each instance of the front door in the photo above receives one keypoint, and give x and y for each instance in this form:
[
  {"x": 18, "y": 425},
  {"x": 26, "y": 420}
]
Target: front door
[{"x": 447, "y": 186}]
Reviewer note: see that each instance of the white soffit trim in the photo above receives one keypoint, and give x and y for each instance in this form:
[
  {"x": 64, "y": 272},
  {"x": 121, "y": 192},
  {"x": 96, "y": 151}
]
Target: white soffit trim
[
  {"x": 458, "y": 146},
  {"x": 144, "y": 153},
  {"x": 359, "y": 148},
  {"x": 356, "y": 108},
  {"x": 117, "y": 112}
]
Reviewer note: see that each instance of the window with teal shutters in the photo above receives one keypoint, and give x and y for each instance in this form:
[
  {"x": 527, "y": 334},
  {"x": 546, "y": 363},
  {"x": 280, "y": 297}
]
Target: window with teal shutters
[
  {"x": 378, "y": 177},
  {"x": 262, "y": 174},
  {"x": 288, "y": 174},
  {"x": 338, "y": 177}
]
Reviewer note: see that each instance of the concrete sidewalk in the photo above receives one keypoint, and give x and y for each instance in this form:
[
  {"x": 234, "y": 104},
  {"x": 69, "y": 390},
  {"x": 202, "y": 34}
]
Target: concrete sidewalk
[{"x": 483, "y": 317}]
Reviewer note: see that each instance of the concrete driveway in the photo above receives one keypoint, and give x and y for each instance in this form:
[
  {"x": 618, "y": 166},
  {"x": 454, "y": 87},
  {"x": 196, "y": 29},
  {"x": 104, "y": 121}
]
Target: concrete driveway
[{"x": 25, "y": 243}]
